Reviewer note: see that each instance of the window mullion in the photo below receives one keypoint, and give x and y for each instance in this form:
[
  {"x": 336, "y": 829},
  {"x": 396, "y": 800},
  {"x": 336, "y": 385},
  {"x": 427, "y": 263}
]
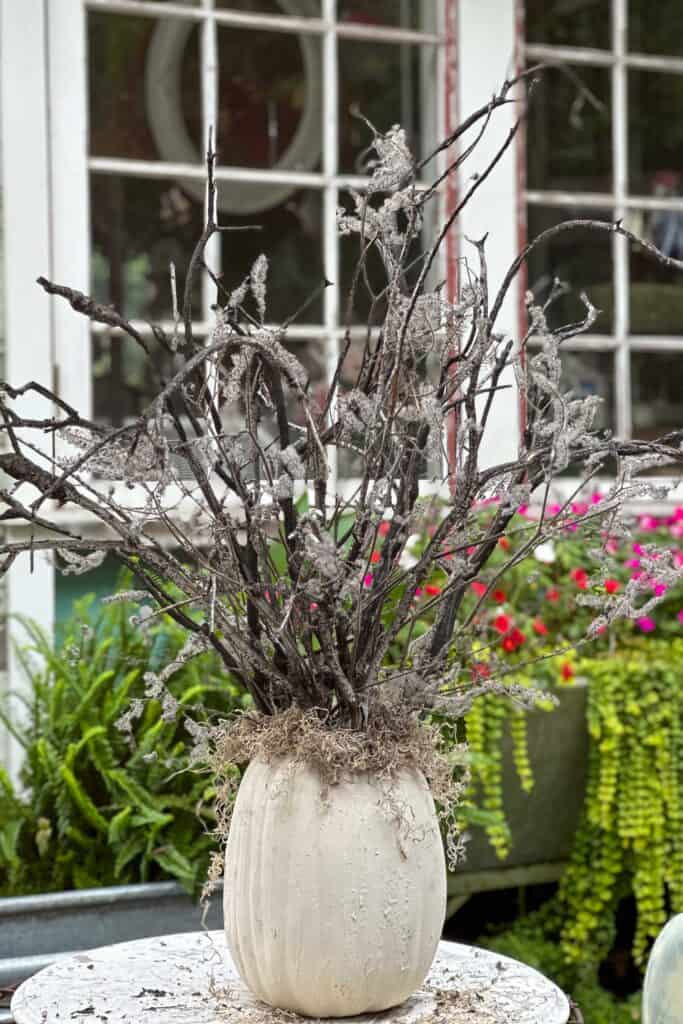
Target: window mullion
[
  {"x": 209, "y": 77},
  {"x": 619, "y": 243},
  {"x": 330, "y": 129}
]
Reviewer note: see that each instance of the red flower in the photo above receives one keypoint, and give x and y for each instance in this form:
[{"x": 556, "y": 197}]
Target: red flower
[
  {"x": 580, "y": 577},
  {"x": 502, "y": 623},
  {"x": 509, "y": 645},
  {"x": 499, "y": 596},
  {"x": 480, "y": 670},
  {"x": 567, "y": 670},
  {"x": 375, "y": 557},
  {"x": 611, "y": 586},
  {"x": 540, "y": 627},
  {"x": 518, "y": 638},
  {"x": 504, "y": 543},
  {"x": 384, "y": 527},
  {"x": 478, "y": 588},
  {"x": 553, "y": 594},
  {"x": 432, "y": 589}
]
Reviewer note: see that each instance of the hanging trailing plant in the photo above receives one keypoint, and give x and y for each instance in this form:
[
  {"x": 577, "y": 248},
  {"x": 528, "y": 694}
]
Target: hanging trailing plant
[{"x": 631, "y": 834}]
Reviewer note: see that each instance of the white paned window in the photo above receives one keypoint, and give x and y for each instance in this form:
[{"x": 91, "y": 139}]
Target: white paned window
[
  {"x": 604, "y": 140},
  {"x": 284, "y": 85}
]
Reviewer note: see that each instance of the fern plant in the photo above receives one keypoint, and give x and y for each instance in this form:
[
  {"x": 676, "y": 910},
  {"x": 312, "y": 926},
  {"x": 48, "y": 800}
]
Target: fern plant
[{"x": 95, "y": 808}]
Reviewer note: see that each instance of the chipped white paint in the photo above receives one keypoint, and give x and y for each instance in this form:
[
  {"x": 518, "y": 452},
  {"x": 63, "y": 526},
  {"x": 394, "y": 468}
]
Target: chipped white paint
[
  {"x": 190, "y": 979},
  {"x": 334, "y": 900}
]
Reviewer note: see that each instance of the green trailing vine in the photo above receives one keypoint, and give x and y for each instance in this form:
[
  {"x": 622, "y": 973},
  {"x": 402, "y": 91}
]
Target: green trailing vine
[
  {"x": 485, "y": 725},
  {"x": 630, "y": 838}
]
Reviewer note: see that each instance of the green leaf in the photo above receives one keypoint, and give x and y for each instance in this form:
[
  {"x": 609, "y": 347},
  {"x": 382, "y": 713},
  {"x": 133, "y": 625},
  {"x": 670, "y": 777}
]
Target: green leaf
[
  {"x": 117, "y": 826},
  {"x": 82, "y": 800}
]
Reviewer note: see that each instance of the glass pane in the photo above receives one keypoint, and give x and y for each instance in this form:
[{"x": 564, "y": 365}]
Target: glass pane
[
  {"x": 312, "y": 356},
  {"x": 144, "y": 87},
  {"x": 270, "y": 99},
  {"x": 290, "y": 235},
  {"x": 299, "y": 8},
  {"x": 656, "y": 292},
  {"x": 350, "y": 463},
  {"x": 582, "y": 23},
  {"x": 138, "y": 227},
  {"x": 368, "y": 304},
  {"x": 413, "y": 14},
  {"x": 569, "y": 139},
  {"x": 580, "y": 259},
  {"x": 591, "y": 373},
  {"x": 388, "y": 84},
  {"x": 125, "y": 379},
  {"x": 656, "y": 393},
  {"x": 655, "y": 125},
  {"x": 655, "y": 28}
]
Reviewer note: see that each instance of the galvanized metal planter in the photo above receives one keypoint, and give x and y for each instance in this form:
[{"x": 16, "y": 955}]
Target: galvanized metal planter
[
  {"x": 35, "y": 930},
  {"x": 544, "y": 821}
]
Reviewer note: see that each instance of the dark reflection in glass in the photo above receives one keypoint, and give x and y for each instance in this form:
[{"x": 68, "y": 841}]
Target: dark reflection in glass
[
  {"x": 350, "y": 460},
  {"x": 655, "y": 133},
  {"x": 656, "y": 291},
  {"x": 270, "y": 98},
  {"x": 655, "y": 28},
  {"x": 121, "y": 53},
  {"x": 591, "y": 373},
  {"x": 569, "y": 140},
  {"x": 300, "y": 8},
  {"x": 125, "y": 378},
  {"x": 291, "y": 237},
  {"x": 413, "y": 14},
  {"x": 656, "y": 394},
  {"x": 138, "y": 227},
  {"x": 582, "y": 23},
  {"x": 367, "y": 303},
  {"x": 581, "y": 259},
  {"x": 388, "y": 84}
]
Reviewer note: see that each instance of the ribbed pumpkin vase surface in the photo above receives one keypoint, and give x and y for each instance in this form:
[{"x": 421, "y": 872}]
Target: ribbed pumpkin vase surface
[{"x": 333, "y": 907}]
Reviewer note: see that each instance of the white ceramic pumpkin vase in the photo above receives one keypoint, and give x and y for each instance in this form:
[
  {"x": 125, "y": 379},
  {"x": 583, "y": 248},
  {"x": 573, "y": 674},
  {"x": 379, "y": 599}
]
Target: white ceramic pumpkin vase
[{"x": 333, "y": 907}]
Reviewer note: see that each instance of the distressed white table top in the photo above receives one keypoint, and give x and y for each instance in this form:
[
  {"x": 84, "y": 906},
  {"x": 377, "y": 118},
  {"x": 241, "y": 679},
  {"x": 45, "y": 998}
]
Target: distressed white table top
[{"x": 190, "y": 979}]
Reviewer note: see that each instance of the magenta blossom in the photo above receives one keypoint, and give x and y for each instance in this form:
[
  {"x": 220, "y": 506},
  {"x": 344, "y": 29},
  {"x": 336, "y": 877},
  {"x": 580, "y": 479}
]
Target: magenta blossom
[
  {"x": 648, "y": 523},
  {"x": 596, "y": 498},
  {"x": 680, "y": 616},
  {"x": 367, "y": 580},
  {"x": 554, "y": 510},
  {"x": 659, "y": 589},
  {"x": 638, "y": 549},
  {"x": 633, "y": 563},
  {"x": 646, "y": 624},
  {"x": 611, "y": 546}
]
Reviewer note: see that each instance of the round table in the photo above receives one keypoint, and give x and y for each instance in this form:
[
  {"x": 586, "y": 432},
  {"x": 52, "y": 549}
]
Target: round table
[{"x": 190, "y": 979}]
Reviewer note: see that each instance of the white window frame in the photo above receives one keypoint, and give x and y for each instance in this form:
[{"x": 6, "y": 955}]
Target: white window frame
[
  {"x": 46, "y": 167},
  {"x": 618, "y": 59}
]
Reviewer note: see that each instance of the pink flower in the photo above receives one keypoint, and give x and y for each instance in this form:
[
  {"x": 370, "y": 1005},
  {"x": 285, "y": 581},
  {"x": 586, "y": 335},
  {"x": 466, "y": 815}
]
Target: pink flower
[
  {"x": 633, "y": 563},
  {"x": 646, "y": 624},
  {"x": 478, "y": 588},
  {"x": 367, "y": 580},
  {"x": 596, "y": 498},
  {"x": 579, "y": 508},
  {"x": 580, "y": 577},
  {"x": 680, "y": 616},
  {"x": 648, "y": 523},
  {"x": 677, "y": 530},
  {"x": 678, "y": 558},
  {"x": 611, "y": 545},
  {"x": 638, "y": 549},
  {"x": 384, "y": 527},
  {"x": 554, "y": 510},
  {"x": 312, "y": 607},
  {"x": 678, "y": 514},
  {"x": 659, "y": 589},
  {"x": 418, "y": 591},
  {"x": 522, "y": 510}
]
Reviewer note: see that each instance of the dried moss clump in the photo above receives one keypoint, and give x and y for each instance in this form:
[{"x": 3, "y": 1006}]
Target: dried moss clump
[{"x": 394, "y": 739}]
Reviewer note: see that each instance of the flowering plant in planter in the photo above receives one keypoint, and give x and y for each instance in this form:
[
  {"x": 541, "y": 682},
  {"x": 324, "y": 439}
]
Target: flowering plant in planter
[{"x": 314, "y": 606}]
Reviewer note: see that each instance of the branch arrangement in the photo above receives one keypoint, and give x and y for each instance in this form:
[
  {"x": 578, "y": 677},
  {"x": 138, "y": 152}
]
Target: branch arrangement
[{"x": 302, "y": 591}]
